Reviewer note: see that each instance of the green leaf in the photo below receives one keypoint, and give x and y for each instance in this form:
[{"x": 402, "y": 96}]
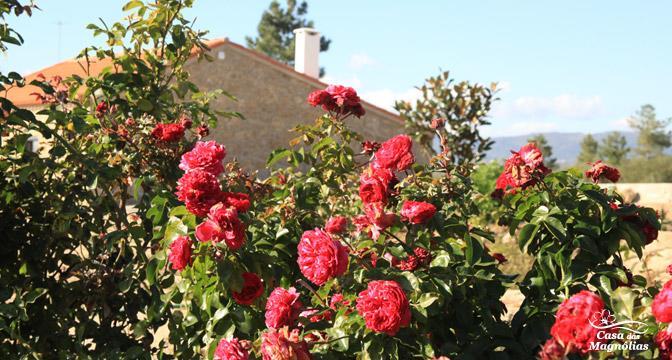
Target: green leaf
[
  {"x": 34, "y": 294},
  {"x": 526, "y": 235}
]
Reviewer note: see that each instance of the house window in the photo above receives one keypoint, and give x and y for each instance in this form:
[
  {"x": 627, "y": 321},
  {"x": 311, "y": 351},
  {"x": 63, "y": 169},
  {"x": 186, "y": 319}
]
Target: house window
[{"x": 32, "y": 143}]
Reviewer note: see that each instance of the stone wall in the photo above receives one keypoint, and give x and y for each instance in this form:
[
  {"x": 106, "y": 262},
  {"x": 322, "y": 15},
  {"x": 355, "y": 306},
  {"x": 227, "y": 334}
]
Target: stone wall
[{"x": 273, "y": 101}]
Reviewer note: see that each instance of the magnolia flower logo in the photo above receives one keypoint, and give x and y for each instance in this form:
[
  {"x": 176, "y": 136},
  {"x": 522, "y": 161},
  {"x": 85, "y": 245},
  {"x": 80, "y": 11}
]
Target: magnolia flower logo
[{"x": 604, "y": 320}]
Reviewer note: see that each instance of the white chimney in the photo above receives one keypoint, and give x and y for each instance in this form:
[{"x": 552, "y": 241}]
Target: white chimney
[{"x": 307, "y": 52}]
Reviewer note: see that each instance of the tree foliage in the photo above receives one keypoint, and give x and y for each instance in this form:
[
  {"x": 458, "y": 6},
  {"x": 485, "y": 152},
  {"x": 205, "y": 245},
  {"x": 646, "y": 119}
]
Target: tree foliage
[
  {"x": 589, "y": 147},
  {"x": 275, "y": 36},
  {"x": 457, "y": 111},
  {"x": 614, "y": 148},
  {"x": 653, "y": 138}
]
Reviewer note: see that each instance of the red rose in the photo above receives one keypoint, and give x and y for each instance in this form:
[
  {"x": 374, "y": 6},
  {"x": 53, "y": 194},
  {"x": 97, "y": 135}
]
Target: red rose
[
  {"x": 321, "y": 98},
  {"x": 206, "y": 156},
  {"x": 552, "y": 350},
  {"x": 252, "y": 289},
  {"x": 661, "y": 307},
  {"x": 372, "y": 189},
  {"x": 168, "y": 132},
  {"x": 384, "y": 307},
  {"x": 650, "y": 232},
  {"x": 378, "y": 219},
  {"x": 180, "y": 252},
  {"x": 663, "y": 341},
  {"x": 338, "y": 99},
  {"x": 222, "y": 224},
  {"x": 239, "y": 201},
  {"x": 282, "y": 307},
  {"x": 572, "y": 326},
  {"x": 199, "y": 190},
  {"x": 336, "y": 225},
  {"x": 601, "y": 170},
  {"x": 337, "y": 300},
  {"x": 395, "y": 153},
  {"x": 231, "y": 350},
  {"x": 101, "y": 109},
  {"x": 321, "y": 257},
  {"x": 282, "y": 344},
  {"x": 420, "y": 257},
  {"x": 417, "y": 212},
  {"x": 521, "y": 170}
]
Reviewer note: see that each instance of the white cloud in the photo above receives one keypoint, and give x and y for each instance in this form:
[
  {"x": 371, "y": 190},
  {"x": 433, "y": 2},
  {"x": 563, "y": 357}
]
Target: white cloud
[
  {"x": 621, "y": 124},
  {"x": 385, "y": 98},
  {"x": 358, "y": 61},
  {"x": 353, "y": 81},
  {"x": 562, "y": 107}
]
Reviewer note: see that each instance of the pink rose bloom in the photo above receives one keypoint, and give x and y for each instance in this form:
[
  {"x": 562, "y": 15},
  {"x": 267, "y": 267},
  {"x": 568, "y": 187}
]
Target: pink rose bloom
[
  {"x": 199, "y": 190},
  {"x": 222, "y": 224},
  {"x": 231, "y": 350},
  {"x": 282, "y": 307},
  {"x": 336, "y": 225},
  {"x": 384, "y": 307},
  {"x": 552, "y": 350},
  {"x": 180, "y": 252},
  {"x": 661, "y": 307},
  {"x": 206, "y": 156},
  {"x": 321, "y": 257},
  {"x": 378, "y": 219},
  {"x": 417, "y": 212},
  {"x": 281, "y": 344},
  {"x": 396, "y": 153},
  {"x": 572, "y": 325}
]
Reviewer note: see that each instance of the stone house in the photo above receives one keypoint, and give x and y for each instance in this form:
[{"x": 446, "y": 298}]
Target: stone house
[{"x": 270, "y": 95}]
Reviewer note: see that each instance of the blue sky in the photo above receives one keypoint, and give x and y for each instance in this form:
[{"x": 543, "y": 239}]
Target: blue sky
[{"x": 564, "y": 66}]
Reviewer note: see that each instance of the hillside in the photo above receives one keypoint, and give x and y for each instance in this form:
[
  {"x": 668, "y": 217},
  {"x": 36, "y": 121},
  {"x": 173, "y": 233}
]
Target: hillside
[{"x": 566, "y": 146}]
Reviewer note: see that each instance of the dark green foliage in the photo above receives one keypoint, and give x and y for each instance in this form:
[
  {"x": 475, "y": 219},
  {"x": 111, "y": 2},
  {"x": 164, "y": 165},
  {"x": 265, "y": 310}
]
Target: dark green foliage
[
  {"x": 275, "y": 36},
  {"x": 462, "y": 106}
]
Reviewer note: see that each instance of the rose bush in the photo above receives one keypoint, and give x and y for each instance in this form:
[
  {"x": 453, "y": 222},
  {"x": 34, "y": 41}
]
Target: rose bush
[{"x": 348, "y": 251}]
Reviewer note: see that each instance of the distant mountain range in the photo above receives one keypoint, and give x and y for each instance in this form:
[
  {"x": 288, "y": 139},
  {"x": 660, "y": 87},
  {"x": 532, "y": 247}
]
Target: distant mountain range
[{"x": 566, "y": 146}]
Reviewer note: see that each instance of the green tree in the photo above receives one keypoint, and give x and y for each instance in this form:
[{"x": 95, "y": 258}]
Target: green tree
[
  {"x": 654, "y": 137},
  {"x": 276, "y": 37},
  {"x": 455, "y": 111},
  {"x": 614, "y": 148},
  {"x": 540, "y": 141},
  {"x": 588, "y": 150}
]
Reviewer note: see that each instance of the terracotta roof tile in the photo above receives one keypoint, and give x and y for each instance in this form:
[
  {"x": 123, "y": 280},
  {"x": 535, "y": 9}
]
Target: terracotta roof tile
[{"x": 21, "y": 96}]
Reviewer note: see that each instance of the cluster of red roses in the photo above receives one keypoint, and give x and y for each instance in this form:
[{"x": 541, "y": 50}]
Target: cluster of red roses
[
  {"x": 523, "y": 169},
  {"x": 340, "y": 101},
  {"x": 202, "y": 195}
]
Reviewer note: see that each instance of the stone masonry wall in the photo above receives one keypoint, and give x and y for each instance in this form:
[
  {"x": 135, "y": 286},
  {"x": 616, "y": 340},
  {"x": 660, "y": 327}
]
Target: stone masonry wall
[{"x": 273, "y": 101}]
